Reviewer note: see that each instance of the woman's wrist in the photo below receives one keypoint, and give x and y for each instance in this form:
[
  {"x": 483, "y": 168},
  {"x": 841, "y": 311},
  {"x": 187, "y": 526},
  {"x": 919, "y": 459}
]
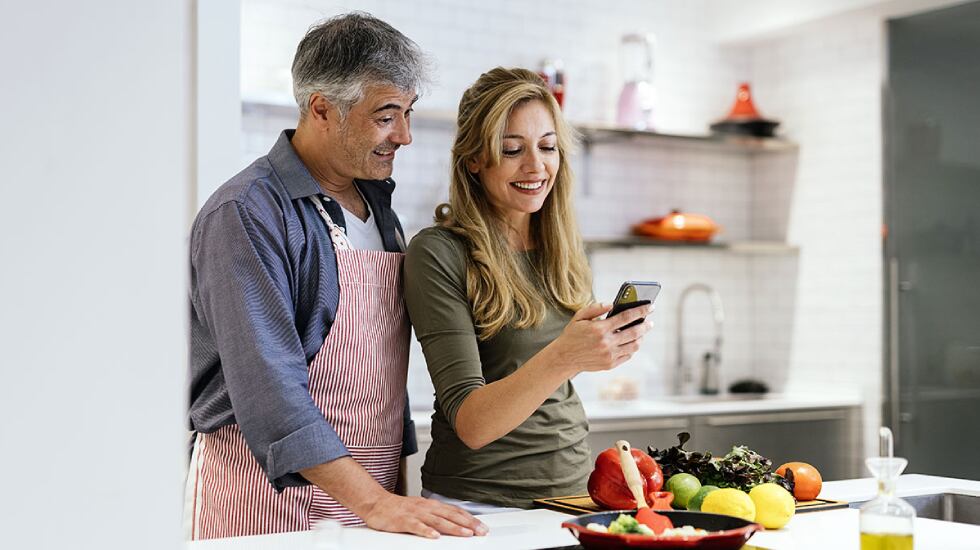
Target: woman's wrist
[{"x": 559, "y": 361}]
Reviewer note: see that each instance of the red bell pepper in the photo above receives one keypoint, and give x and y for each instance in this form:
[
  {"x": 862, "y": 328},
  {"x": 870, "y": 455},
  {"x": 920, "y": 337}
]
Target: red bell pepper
[{"x": 608, "y": 487}]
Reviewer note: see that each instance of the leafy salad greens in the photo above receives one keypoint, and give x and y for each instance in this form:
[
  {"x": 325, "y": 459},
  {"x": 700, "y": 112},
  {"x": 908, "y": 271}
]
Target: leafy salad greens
[{"x": 742, "y": 468}]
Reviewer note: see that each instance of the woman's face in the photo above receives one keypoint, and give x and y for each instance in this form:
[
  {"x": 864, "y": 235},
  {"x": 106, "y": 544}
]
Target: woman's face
[{"x": 519, "y": 185}]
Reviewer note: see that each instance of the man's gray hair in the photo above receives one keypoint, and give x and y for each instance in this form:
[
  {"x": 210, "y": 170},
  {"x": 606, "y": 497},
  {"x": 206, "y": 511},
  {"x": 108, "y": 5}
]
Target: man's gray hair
[{"x": 341, "y": 56}]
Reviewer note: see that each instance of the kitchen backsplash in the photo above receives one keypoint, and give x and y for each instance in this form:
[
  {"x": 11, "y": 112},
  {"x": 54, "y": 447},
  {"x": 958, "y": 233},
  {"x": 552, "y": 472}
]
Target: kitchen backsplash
[{"x": 803, "y": 321}]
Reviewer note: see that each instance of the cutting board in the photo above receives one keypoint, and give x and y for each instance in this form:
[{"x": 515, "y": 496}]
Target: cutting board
[{"x": 582, "y": 504}]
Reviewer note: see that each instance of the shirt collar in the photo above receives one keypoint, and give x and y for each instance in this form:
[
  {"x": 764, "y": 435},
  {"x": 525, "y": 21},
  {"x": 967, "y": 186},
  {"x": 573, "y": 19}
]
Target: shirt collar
[
  {"x": 290, "y": 169},
  {"x": 297, "y": 179}
]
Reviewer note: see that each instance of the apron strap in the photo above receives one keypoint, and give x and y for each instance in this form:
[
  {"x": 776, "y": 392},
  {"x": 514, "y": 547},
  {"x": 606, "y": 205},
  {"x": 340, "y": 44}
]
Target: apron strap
[{"x": 337, "y": 234}]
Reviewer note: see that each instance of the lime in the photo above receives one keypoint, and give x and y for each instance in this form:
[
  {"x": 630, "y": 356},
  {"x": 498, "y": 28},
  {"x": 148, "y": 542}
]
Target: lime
[
  {"x": 774, "y": 506},
  {"x": 684, "y": 486},
  {"x": 695, "y": 502},
  {"x": 729, "y": 502}
]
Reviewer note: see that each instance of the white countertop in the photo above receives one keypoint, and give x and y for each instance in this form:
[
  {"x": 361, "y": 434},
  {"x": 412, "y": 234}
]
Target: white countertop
[
  {"x": 837, "y": 529},
  {"x": 670, "y": 406}
]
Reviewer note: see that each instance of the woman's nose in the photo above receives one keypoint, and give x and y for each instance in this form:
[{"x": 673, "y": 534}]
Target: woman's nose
[{"x": 533, "y": 162}]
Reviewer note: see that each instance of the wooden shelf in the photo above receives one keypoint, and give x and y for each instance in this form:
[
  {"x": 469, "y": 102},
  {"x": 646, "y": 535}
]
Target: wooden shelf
[
  {"x": 738, "y": 247},
  {"x": 595, "y": 134},
  {"x": 592, "y": 133}
]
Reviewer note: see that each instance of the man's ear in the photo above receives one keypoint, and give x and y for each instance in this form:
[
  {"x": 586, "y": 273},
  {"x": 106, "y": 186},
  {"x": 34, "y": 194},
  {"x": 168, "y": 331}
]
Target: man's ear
[{"x": 321, "y": 112}]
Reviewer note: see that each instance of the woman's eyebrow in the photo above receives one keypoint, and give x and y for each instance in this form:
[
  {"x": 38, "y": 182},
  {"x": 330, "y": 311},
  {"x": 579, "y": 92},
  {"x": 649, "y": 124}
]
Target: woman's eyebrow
[{"x": 515, "y": 136}]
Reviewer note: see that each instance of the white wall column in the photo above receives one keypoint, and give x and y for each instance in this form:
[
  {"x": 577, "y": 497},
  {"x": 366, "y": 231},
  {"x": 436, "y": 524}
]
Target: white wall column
[{"x": 97, "y": 150}]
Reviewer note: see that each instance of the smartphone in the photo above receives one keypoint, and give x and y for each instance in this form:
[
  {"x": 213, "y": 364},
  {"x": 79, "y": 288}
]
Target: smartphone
[{"x": 634, "y": 294}]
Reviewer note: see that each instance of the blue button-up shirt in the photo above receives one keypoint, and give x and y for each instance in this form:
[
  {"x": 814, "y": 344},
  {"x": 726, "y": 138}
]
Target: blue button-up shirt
[{"x": 264, "y": 295}]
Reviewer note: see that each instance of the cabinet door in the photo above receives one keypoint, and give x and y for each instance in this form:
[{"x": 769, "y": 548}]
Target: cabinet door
[
  {"x": 413, "y": 464},
  {"x": 659, "y": 432},
  {"x": 826, "y": 438}
]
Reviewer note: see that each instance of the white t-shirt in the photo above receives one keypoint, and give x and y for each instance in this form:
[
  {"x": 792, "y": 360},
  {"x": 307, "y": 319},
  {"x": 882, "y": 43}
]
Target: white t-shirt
[{"x": 363, "y": 235}]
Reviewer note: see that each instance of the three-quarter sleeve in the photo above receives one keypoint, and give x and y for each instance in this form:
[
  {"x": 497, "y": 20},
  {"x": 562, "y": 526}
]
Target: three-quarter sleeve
[
  {"x": 435, "y": 293},
  {"x": 241, "y": 271}
]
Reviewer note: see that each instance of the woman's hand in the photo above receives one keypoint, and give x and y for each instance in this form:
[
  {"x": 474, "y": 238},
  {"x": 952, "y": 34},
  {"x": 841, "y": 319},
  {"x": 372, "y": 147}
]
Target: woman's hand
[{"x": 590, "y": 343}]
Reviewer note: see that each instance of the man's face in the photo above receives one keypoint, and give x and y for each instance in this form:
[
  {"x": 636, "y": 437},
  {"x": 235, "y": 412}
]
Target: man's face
[{"x": 364, "y": 144}]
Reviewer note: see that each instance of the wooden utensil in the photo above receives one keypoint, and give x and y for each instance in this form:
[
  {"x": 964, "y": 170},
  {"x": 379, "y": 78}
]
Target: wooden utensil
[{"x": 631, "y": 474}]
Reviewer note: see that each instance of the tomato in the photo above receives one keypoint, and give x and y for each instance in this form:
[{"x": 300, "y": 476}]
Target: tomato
[{"x": 806, "y": 479}]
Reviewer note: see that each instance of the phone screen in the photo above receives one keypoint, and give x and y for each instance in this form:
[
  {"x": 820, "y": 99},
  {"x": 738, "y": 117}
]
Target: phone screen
[{"x": 634, "y": 294}]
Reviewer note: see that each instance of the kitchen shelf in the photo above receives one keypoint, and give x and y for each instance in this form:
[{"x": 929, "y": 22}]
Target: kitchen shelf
[
  {"x": 592, "y": 133},
  {"x": 281, "y": 105},
  {"x": 738, "y": 247},
  {"x": 595, "y": 134}
]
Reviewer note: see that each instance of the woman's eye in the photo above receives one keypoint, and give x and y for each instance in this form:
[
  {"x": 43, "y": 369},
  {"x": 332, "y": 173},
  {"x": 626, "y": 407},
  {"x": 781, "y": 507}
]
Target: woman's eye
[
  {"x": 511, "y": 152},
  {"x": 551, "y": 149}
]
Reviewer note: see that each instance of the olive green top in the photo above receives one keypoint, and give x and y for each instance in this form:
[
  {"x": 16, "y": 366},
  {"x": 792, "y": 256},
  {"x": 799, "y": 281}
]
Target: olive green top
[{"x": 547, "y": 455}]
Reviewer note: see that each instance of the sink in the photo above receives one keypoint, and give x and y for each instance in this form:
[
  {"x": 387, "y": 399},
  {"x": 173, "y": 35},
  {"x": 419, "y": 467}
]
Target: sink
[
  {"x": 953, "y": 507},
  {"x": 718, "y": 398}
]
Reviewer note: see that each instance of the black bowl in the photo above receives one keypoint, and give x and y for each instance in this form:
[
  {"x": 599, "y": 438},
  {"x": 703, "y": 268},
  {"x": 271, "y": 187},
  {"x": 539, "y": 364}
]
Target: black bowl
[
  {"x": 727, "y": 532},
  {"x": 758, "y": 127}
]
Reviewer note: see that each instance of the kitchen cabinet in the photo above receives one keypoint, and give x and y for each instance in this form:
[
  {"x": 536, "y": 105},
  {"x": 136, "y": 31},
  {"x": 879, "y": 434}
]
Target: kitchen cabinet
[
  {"x": 413, "y": 464},
  {"x": 829, "y": 439},
  {"x": 640, "y": 432}
]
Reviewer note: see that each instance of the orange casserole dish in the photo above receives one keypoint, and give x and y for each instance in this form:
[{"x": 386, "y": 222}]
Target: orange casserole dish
[{"x": 678, "y": 226}]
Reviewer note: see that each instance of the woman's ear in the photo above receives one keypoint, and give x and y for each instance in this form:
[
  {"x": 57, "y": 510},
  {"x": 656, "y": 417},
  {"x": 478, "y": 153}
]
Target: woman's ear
[{"x": 473, "y": 165}]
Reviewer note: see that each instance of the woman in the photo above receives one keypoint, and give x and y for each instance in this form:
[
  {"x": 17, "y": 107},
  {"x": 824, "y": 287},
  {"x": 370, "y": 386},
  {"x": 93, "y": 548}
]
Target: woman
[{"x": 499, "y": 293}]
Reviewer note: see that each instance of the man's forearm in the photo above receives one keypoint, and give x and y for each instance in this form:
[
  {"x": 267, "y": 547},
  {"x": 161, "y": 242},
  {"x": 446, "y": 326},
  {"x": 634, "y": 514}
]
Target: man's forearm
[{"x": 348, "y": 482}]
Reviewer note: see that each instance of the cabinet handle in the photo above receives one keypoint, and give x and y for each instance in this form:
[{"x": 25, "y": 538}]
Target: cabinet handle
[
  {"x": 893, "y": 350},
  {"x": 773, "y": 418},
  {"x": 644, "y": 424}
]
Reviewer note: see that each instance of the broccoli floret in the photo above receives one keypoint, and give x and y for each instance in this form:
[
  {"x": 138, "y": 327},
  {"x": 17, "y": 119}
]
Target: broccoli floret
[{"x": 625, "y": 525}]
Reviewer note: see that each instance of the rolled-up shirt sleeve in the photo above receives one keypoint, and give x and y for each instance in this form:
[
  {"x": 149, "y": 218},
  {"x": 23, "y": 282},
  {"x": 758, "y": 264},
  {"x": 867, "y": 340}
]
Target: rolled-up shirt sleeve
[
  {"x": 435, "y": 294},
  {"x": 240, "y": 266}
]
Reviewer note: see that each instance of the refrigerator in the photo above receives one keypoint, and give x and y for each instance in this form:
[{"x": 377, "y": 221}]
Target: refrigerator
[{"x": 931, "y": 124}]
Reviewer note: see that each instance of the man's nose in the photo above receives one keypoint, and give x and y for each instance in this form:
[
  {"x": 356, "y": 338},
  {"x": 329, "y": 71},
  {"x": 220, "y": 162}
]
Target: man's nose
[{"x": 402, "y": 134}]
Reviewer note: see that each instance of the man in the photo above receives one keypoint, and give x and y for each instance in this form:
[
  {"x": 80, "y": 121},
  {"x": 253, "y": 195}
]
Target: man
[{"x": 299, "y": 334}]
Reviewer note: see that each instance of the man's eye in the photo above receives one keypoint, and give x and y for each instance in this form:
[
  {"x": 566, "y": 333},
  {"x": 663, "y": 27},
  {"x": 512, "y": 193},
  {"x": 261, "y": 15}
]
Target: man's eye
[{"x": 386, "y": 120}]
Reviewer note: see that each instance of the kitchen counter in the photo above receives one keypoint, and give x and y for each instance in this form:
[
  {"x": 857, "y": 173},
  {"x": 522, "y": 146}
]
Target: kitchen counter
[
  {"x": 696, "y": 405},
  {"x": 837, "y": 529}
]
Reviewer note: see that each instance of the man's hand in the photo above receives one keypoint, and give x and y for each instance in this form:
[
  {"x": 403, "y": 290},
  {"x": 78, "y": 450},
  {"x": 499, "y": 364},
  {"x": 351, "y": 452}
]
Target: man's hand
[
  {"x": 352, "y": 486},
  {"x": 422, "y": 516}
]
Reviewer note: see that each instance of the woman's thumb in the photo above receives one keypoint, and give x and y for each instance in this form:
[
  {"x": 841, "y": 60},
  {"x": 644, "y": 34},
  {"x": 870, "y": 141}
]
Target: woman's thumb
[{"x": 591, "y": 311}]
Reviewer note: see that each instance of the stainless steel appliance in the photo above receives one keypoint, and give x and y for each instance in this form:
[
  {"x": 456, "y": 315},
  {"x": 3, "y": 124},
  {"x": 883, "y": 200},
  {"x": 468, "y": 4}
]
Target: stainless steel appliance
[{"x": 932, "y": 248}]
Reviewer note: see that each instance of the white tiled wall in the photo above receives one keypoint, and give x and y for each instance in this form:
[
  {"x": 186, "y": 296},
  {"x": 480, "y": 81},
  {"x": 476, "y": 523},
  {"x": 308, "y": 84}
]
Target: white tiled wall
[
  {"x": 824, "y": 81},
  {"x": 806, "y": 322}
]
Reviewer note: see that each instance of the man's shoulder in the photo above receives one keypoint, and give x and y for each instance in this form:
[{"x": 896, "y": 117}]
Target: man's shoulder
[{"x": 257, "y": 188}]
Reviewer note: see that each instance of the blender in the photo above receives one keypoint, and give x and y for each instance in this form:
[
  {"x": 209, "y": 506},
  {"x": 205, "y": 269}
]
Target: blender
[{"x": 637, "y": 98}]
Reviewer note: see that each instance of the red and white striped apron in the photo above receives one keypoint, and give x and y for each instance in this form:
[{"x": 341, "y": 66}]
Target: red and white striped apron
[{"x": 357, "y": 379}]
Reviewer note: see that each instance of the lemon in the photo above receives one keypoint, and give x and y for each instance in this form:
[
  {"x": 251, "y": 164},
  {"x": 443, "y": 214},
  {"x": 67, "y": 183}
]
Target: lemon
[
  {"x": 684, "y": 486},
  {"x": 774, "y": 506},
  {"x": 729, "y": 502}
]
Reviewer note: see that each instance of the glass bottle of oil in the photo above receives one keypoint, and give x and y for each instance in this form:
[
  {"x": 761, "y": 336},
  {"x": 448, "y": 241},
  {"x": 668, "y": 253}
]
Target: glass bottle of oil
[{"x": 887, "y": 521}]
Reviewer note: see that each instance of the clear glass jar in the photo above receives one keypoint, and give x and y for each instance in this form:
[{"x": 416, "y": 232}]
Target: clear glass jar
[{"x": 887, "y": 521}]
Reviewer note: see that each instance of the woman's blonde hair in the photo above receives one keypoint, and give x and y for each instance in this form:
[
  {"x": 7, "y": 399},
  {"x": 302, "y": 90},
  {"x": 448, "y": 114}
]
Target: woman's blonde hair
[{"x": 498, "y": 287}]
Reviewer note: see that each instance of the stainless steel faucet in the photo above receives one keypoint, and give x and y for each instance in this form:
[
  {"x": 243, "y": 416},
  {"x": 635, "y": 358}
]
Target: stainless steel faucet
[{"x": 712, "y": 359}]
